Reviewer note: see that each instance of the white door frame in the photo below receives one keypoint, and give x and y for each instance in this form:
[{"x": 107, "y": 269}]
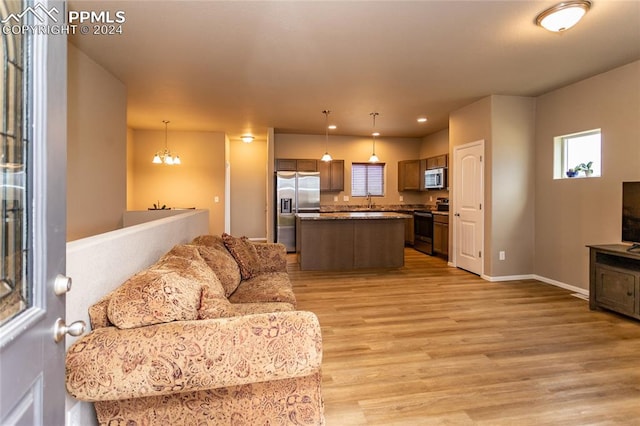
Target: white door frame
[{"x": 456, "y": 181}]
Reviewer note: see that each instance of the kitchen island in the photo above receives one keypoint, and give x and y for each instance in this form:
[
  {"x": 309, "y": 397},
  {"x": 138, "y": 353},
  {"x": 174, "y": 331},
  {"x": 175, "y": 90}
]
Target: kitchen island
[{"x": 350, "y": 240}]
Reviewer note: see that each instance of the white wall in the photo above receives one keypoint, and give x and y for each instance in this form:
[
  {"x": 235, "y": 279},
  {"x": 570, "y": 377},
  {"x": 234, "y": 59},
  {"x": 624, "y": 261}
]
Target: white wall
[
  {"x": 571, "y": 213},
  {"x": 96, "y": 147}
]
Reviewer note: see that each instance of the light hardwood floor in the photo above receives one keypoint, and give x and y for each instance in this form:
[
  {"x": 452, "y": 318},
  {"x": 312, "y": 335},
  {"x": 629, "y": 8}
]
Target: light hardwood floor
[{"x": 429, "y": 344}]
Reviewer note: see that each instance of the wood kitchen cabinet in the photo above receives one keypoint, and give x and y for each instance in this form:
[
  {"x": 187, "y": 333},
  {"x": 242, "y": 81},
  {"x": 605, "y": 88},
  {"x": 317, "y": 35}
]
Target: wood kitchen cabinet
[
  {"x": 331, "y": 175},
  {"x": 614, "y": 279},
  {"x": 441, "y": 234},
  {"x": 296, "y": 165},
  {"x": 438, "y": 162},
  {"x": 410, "y": 174}
]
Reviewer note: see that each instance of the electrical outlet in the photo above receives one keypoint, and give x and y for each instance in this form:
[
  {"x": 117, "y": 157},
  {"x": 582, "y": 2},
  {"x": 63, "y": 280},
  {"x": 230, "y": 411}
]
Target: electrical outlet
[
  {"x": 345, "y": 198},
  {"x": 216, "y": 199},
  {"x": 401, "y": 198},
  {"x": 501, "y": 254},
  {"x": 430, "y": 198},
  {"x": 335, "y": 198}
]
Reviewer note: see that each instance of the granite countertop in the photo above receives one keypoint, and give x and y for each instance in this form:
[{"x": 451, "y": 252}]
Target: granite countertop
[
  {"x": 353, "y": 215},
  {"x": 376, "y": 208}
]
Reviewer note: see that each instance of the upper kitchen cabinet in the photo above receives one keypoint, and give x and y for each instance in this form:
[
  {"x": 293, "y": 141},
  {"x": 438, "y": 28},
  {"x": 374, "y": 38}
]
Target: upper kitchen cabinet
[
  {"x": 441, "y": 161},
  {"x": 409, "y": 175},
  {"x": 331, "y": 175},
  {"x": 296, "y": 165}
]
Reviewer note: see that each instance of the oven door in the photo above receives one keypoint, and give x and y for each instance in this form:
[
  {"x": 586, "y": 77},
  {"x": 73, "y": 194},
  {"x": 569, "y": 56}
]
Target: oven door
[{"x": 423, "y": 226}]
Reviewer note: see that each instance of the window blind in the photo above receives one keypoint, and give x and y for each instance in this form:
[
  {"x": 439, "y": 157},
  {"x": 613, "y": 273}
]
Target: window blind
[{"x": 367, "y": 179}]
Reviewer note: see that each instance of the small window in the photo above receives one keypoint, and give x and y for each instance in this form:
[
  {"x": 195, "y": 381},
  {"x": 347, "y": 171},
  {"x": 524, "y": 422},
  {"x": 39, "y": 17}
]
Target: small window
[
  {"x": 578, "y": 155},
  {"x": 367, "y": 179}
]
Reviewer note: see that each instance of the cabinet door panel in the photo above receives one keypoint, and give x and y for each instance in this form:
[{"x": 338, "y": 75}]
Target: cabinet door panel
[
  {"x": 616, "y": 289},
  {"x": 307, "y": 165}
]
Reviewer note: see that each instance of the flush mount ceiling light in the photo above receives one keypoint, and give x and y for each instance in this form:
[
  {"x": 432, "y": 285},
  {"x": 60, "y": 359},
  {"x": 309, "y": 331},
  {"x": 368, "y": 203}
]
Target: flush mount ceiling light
[
  {"x": 326, "y": 157},
  {"x": 563, "y": 16},
  {"x": 422, "y": 119},
  {"x": 374, "y": 158},
  {"x": 164, "y": 157},
  {"x": 247, "y": 138}
]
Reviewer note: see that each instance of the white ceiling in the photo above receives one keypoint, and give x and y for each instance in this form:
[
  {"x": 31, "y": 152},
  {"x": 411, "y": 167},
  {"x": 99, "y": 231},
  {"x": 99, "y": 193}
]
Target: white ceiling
[{"x": 243, "y": 67}]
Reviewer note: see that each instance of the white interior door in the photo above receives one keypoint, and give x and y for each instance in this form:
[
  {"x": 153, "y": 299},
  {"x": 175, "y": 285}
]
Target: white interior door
[
  {"x": 33, "y": 227},
  {"x": 468, "y": 210}
]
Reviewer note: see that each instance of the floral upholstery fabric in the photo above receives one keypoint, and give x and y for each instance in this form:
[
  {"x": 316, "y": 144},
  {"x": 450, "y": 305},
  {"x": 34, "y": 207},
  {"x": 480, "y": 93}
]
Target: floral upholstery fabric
[
  {"x": 112, "y": 364},
  {"x": 213, "y": 241},
  {"x": 223, "y": 265},
  {"x": 169, "y": 290},
  {"x": 267, "y": 287},
  {"x": 218, "y": 349},
  {"x": 98, "y": 316},
  {"x": 154, "y": 296},
  {"x": 272, "y": 257},
  {"x": 245, "y": 254},
  {"x": 283, "y": 402}
]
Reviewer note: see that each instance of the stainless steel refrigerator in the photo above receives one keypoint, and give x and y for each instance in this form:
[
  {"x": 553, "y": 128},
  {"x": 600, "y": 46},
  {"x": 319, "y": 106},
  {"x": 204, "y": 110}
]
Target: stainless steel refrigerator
[{"x": 296, "y": 192}]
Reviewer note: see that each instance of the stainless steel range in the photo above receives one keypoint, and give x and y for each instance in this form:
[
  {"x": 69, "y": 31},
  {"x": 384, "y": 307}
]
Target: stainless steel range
[{"x": 423, "y": 226}]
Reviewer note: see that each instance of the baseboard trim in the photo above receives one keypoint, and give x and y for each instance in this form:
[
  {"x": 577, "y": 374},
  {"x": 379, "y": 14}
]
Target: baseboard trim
[
  {"x": 560, "y": 284},
  {"x": 545, "y": 280},
  {"x": 508, "y": 277}
]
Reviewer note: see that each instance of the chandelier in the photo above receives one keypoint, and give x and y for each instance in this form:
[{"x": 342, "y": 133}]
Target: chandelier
[{"x": 165, "y": 157}]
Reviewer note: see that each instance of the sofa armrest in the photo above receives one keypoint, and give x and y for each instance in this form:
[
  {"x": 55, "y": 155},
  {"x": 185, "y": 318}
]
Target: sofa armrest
[
  {"x": 112, "y": 364},
  {"x": 273, "y": 257}
]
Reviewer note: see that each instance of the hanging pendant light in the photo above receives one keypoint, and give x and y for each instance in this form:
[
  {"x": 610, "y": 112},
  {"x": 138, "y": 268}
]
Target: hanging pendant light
[
  {"x": 374, "y": 158},
  {"x": 326, "y": 157},
  {"x": 165, "y": 155}
]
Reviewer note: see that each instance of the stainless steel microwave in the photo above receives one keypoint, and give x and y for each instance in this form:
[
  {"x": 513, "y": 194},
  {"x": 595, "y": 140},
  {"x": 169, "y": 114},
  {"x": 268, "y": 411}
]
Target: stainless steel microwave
[{"x": 435, "y": 178}]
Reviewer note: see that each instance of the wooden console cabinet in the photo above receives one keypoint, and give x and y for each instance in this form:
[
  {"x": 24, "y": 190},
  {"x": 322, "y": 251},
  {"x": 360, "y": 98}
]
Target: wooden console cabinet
[{"x": 614, "y": 279}]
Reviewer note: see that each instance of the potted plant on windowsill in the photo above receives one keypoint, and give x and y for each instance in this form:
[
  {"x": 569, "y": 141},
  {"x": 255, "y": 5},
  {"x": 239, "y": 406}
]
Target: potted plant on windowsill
[
  {"x": 572, "y": 173},
  {"x": 585, "y": 167}
]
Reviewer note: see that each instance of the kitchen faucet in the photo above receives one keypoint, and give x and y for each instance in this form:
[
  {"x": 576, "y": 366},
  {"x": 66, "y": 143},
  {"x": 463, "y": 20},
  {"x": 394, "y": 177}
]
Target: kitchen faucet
[{"x": 369, "y": 200}]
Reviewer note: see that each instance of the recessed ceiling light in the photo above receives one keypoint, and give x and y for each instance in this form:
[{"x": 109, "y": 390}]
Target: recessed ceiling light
[
  {"x": 332, "y": 127},
  {"x": 247, "y": 139},
  {"x": 422, "y": 119},
  {"x": 563, "y": 16}
]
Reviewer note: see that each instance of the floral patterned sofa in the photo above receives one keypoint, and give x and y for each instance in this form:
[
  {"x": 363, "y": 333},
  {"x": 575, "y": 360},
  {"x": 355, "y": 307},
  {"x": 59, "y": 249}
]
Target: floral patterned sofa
[{"x": 207, "y": 335}]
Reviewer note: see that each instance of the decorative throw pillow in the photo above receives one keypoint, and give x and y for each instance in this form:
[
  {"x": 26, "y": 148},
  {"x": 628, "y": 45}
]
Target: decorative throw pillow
[
  {"x": 244, "y": 253},
  {"x": 223, "y": 265},
  {"x": 154, "y": 296}
]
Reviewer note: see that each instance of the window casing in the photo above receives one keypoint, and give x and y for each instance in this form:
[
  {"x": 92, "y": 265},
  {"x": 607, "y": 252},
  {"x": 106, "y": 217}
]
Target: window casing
[
  {"x": 367, "y": 179},
  {"x": 575, "y": 151}
]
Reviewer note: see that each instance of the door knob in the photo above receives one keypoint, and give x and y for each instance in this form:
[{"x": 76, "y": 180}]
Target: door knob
[
  {"x": 62, "y": 285},
  {"x": 61, "y": 328},
  {"x": 457, "y": 214}
]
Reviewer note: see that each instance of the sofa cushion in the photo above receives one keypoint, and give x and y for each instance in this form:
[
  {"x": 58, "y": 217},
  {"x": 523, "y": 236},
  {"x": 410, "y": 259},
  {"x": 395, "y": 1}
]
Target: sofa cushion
[
  {"x": 266, "y": 287},
  {"x": 223, "y": 265},
  {"x": 209, "y": 241},
  {"x": 155, "y": 296},
  {"x": 244, "y": 253}
]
